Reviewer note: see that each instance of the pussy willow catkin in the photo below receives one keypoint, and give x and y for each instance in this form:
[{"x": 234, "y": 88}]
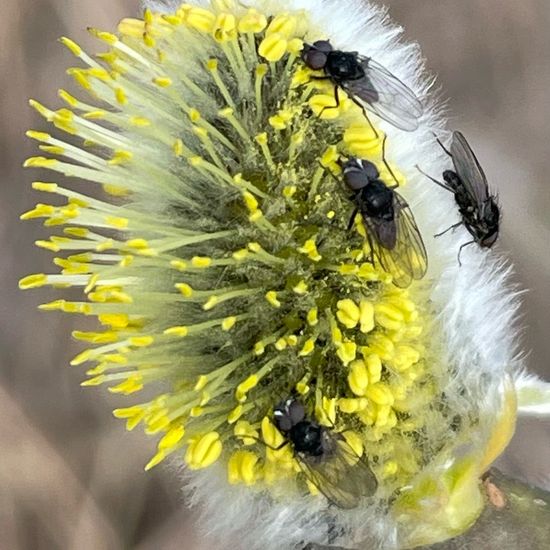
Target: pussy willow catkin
[{"x": 210, "y": 241}]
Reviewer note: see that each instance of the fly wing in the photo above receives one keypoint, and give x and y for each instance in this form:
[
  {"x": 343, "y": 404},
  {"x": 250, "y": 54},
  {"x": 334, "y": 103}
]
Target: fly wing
[
  {"x": 340, "y": 475},
  {"x": 398, "y": 245},
  {"x": 468, "y": 169},
  {"x": 382, "y": 93}
]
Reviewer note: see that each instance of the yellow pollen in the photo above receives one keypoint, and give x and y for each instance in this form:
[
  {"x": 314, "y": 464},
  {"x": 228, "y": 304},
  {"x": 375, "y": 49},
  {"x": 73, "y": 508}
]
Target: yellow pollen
[
  {"x": 132, "y": 384},
  {"x": 358, "y": 378},
  {"x": 71, "y": 45},
  {"x": 374, "y": 367},
  {"x": 310, "y": 249},
  {"x": 380, "y": 393},
  {"x": 241, "y": 467},
  {"x": 235, "y": 414},
  {"x": 210, "y": 303},
  {"x": 252, "y": 22},
  {"x": 271, "y": 297},
  {"x": 240, "y": 255},
  {"x": 178, "y": 147},
  {"x": 324, "y": 106},
  {"x": 348, "y": 313},
  {"x": 139, "y": 121},
  {"x": 259, "y": 348},
  {"x": 141, "y": 341},
  {"x": 119, "y": 223},
  {"x": 203, "y": 451},
  {"x": 366, "y": 317},
  {"x": 229, "y": 323},
  {"x": 273, "y": 47},
  {"x": 292, "y": 340},
  {"x": 283, "y": 24},
  {"x": 312, "y": 317},
  {"x": 162, "y": 81},
  {"x": 121, "y": 157},
  {"x": 33, "y": 281},
  {"x": 45, "y": 187},
  {"x": 301, "y": 288},
  {"x": 40, "y": 162},
  {"x": 289, "y": 191},
  {"x": 201, "y": 19},
  {"x": 244, "y": 387},
  {"x": 250, "y": 201},
  {"x": 180, "y": 331},
  {"x": 347, "y": 352},
  {"x": 361, "y": 141},
  {"x": 180, "y": 265},
  {"x": 201, "y": 262},
  {"x": 281, "y": 344},
  {"x": 185, "y": 289},
  {"x": 308, "y": 348}
]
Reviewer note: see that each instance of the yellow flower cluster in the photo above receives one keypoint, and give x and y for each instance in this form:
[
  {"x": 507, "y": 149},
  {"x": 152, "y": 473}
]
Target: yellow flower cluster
[{"x": 217, "y": 261}]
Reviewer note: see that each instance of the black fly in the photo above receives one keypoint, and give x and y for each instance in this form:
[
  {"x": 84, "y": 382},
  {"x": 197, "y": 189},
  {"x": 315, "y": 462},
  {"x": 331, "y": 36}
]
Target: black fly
[
  {"x": 392, "y": 232},
  {"x": 367, "y": 83},
  {"x": 325, "y": 458},
  {"x": 478, "y": 208}
]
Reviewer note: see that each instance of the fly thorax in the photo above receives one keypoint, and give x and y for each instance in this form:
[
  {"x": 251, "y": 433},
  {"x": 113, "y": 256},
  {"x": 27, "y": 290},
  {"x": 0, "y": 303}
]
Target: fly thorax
[
  {"x": 491, "y": 213},
  {"x": 452, "y": 180},
  {"x": 307, "y": 438},
  {"x": 344, "y": 66},
  {"x": 377, "y": 200}
]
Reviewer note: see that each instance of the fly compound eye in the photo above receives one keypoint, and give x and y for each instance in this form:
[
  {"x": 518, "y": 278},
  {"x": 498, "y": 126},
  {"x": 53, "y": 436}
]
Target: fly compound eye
[
  {"x": 282, "y": 420},
  {"x": 356, "y": 178},
  {"x": 296, "y": 412},
  {"x": 315, "y": 59},
  {"x": 323, "y": 46}
]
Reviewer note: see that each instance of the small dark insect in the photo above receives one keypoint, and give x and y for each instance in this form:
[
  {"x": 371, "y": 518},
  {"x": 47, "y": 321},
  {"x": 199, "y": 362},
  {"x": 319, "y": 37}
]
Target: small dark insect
[
  {"x": 368, "y": 84},
  {"x": 478, "y": 208},
  {"x": 325, "y": 457},
  {"x": 392, "y": 232}
]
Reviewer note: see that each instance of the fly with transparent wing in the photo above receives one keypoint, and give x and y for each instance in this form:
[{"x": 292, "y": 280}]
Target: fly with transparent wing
[
  {"x": 325, "y": 457},
  {"x": 392, "y": 232},
  {"x": 370, "y": 85}
]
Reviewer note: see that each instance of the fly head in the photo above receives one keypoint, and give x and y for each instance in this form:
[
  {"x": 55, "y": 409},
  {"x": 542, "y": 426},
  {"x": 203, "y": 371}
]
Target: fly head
[
  {"x": 315, "y": 55},
  {"x": 358, "y": 174},
  {"x": 288, "y": 414}
]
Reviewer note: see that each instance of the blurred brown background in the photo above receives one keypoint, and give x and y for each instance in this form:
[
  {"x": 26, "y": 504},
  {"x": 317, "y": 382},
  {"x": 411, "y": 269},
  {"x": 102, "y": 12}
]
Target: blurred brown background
[{"x": 70, "y": 477}]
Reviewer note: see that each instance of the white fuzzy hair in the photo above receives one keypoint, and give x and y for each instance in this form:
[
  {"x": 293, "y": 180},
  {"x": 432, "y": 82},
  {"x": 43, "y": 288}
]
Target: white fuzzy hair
[{"x": 476, "y": 305}]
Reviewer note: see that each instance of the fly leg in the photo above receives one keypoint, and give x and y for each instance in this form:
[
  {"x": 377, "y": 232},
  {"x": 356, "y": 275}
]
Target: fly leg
[
  {"x": 443, "y": 146},
  {"x": 336, "y": 99},
  {"x": 437, "y": 182},
  {"x": 258, "y": 440},
  {"x": 452, "y": 228},
  {"x": 386, "y": 163},
  {"x": 352, "y": 219},
  {"x": 362, "y": 107},
  {"x": 460, "y": 251}
]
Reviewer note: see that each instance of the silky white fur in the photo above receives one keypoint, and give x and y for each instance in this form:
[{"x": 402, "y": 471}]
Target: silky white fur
[{"x": 475, "y": 303}]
